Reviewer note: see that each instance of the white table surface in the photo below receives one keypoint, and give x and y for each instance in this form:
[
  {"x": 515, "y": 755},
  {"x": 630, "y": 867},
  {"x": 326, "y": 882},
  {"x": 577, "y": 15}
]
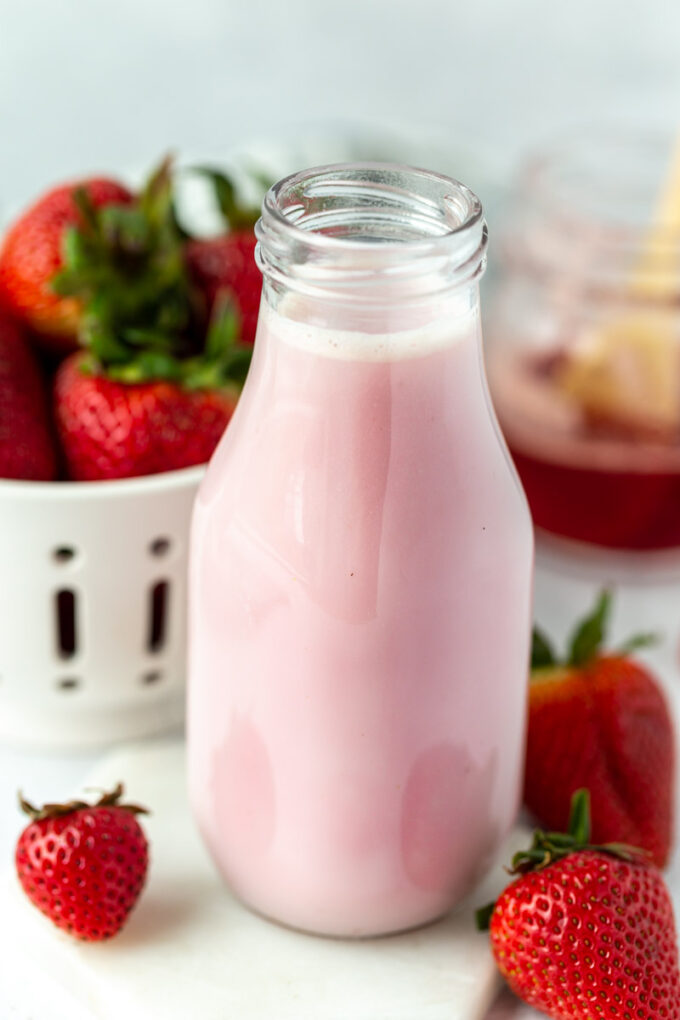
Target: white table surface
[{"x": 44, "y": 776}]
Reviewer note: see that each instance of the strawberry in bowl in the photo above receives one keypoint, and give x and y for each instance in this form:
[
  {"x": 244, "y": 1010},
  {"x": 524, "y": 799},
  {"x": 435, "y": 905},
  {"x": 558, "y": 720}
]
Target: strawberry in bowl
[
  {"x": 225, "y": 265},
  {"x": 159, "y": 379},
  {"x": 33, "y": 251},
  {"x": 26, "y": 444},
  {"x": 93, "y": 604},
  {"x": 112, "y": 429}
]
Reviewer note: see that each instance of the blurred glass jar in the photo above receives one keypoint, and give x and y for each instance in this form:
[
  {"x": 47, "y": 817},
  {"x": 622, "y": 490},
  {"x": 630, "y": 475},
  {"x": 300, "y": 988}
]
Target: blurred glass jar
[{"x": 583, "y": 351}]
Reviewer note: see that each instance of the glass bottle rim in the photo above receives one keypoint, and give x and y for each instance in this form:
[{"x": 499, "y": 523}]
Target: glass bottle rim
[{"x": 350, "y": 227}]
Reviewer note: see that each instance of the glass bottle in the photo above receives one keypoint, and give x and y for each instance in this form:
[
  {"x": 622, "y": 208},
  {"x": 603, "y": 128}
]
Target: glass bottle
[{"x": 360, "y": 569}]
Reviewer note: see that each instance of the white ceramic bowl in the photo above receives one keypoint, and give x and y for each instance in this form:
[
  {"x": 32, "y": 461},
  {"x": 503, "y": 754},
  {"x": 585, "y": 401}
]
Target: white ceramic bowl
[{"x": 93, "y": 608}]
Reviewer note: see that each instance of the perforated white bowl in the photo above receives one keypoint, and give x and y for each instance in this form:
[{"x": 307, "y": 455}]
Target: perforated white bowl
[
  {"x": 93, "y": 608},
  {"x": 96, "y": 552}
]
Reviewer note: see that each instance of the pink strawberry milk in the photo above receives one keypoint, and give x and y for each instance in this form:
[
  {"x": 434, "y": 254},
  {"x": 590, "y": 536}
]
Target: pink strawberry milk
[{"x": 361, "y": 570}]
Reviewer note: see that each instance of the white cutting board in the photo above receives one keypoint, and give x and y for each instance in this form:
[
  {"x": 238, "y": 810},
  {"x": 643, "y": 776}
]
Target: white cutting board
[{"x": 191, "y": 952}]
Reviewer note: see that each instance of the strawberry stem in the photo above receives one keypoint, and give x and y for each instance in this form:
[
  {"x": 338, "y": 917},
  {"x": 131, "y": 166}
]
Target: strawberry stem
[
  {"x": 587, "y": 639},
  {"x": 141, "y": 315},
  {"x": 483, "y": 916},
  {"x": 542, "y": 653},
  {"x": 549, "y": 847},
  {"x": 125, "y": 264},
  {"x": 644, "y": 640},
  {"x": 588, "y": 636},
  {"x": 107, "y": 799},
  {"x": 579, "y": 819}
]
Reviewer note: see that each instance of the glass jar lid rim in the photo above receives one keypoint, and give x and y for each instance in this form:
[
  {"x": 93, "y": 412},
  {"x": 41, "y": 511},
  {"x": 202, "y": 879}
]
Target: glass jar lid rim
[
  {"x": 613, "y": 174},
  {"x": 340, "y": 173}
]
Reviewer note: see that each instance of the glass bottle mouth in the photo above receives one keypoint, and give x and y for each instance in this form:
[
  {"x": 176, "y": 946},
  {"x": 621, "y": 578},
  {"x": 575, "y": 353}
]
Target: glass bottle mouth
[
  {"x": 590, "y": 208},
  {"x": 359, "y": 229}
]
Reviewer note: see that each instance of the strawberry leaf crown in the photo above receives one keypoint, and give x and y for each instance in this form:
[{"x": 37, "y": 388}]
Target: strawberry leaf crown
[
  {"x": 141, "y": 314},
  {"x": 586, "y": 641},
  {"x": 548, "y": 847},
  {"x": 110, "y": 799}
]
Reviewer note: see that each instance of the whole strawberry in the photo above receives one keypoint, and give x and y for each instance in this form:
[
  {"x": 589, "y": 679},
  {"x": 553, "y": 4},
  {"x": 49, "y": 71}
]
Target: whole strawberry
[
  {"x": 111, "y": 429},
  {"x": 84, "y": 866},
  {"x": 600, "y": 720},
  {"x": 26, "y": 447},
  {"x": 225, "y": 265},
  {"x": 586, "y": 931},
  {"x": 158, "y": 384},
  {"x": 33, "y": 251}
]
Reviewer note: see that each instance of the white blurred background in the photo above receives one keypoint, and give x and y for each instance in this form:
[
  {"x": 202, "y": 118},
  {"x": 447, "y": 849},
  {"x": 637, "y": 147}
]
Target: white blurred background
[{"x": 109, "y": 84}]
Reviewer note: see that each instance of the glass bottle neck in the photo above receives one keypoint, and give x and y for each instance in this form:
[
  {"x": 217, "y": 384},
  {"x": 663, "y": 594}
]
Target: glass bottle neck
[{"x": 370, "y": 236}]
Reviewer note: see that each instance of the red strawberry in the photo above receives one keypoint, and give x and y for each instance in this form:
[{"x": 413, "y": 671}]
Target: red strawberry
[
  {"x": 32, "y": 252},
  {"x": 84, "y": 866},
  {"x": 227, "y": 265},
  {"x": 601, "y": 721},
  {"x": 111, "y": 429},
  {"x": 26, "y": 448},
  {"x": 156, "y": 388},
  {"x": 587, "y": 931}
]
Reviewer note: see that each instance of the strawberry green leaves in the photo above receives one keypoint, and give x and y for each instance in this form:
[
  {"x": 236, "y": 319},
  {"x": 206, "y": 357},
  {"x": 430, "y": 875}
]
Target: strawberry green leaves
[
  {"x": 225, "y": 360},
  {"x": 579, "y": 817},
  {"x": 548, "y": 847},
  {"x": 125, "y": 264},
  {"x": 586, "y": 641},
  {"x": 110, "y": 798},
  {"x": 142, "y": 316},
  {"x": 588, "y": 636},
  {"x": 542, "y": 653},
  {"x": 553, "y": 846},
  {"x": 644, "y": 640}
]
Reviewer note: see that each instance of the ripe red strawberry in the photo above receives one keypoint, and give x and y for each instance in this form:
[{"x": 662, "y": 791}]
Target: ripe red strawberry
[
  {"x": 601, "y": 720},
  {"x": 227, "y": 265},
  {"x": 157, "y": 386},
  {"x": 32, "y": 252},
  {"x": 26, "y": 447},
  {"x": 84, "y": 866},
  {"x": 111, "y": 429},
  {"x": 587, "y": 931}
]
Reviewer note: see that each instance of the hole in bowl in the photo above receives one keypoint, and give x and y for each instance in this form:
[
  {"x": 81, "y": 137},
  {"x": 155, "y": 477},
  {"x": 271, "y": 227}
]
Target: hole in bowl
[
  {"x": 68, "y": 683},
  {"x": 63, "y": 554},
  {"x": 152, "y": 677},
  {"x": 160, "y": 547},
  {"x": 66, "y": 618},
  {"x": 158, "y": 616}
]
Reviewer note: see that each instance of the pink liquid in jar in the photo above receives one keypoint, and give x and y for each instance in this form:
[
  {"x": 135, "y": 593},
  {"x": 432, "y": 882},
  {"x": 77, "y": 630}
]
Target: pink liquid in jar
[{"x": 359, "y": 624}]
